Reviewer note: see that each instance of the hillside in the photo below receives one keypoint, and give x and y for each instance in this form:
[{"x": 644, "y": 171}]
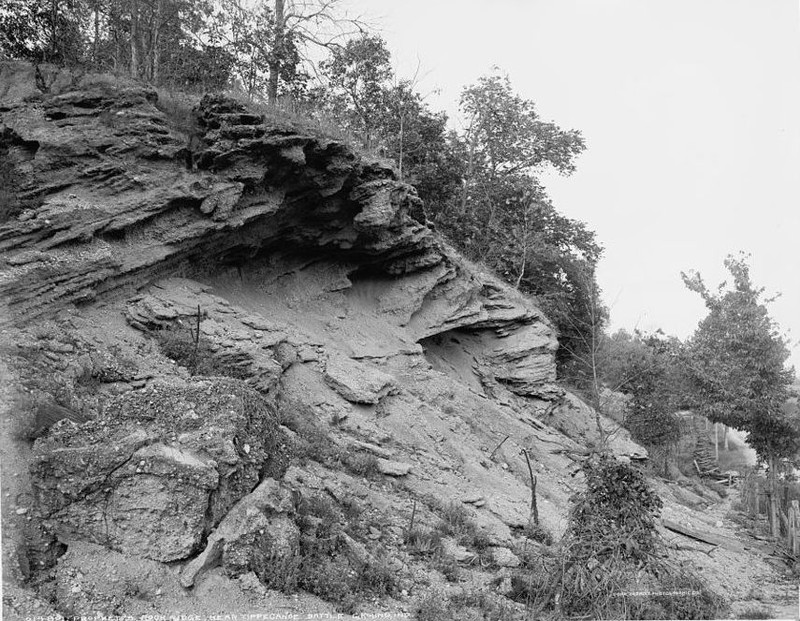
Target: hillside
[{"x": 244, "y": 341}]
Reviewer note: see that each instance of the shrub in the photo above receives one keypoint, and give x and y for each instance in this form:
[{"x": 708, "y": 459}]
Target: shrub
[
  {"x": 456, "y": 522},
  {"x": 424, "y": 542},
  {"x": 321, "y": 565},
  {"x": 610, "y": 555},
  {"x": 362, "y": 464},
  {"x": 539, "y": 533}
]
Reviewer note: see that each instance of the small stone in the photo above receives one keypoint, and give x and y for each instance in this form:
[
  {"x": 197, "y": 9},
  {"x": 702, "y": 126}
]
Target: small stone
[
  {"x": 393, "y": 468},
  {"x": 22, "y": 511}
]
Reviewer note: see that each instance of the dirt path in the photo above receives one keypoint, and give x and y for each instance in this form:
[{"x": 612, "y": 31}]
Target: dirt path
[{"x": 750, "y": 579}]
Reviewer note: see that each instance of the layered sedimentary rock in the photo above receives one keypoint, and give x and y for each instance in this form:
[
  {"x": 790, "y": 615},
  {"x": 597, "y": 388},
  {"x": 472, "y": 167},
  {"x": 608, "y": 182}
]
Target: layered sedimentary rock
[
  {"x": 145, "y": 254},
  {"x": 112, "y": 196}
]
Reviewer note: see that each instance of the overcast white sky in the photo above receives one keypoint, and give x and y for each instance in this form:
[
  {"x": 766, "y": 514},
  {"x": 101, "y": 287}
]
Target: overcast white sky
[{"x": 691, "y": 113}]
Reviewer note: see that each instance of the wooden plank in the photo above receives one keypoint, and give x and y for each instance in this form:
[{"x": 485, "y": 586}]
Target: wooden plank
[{"x": 715, "y": 540}]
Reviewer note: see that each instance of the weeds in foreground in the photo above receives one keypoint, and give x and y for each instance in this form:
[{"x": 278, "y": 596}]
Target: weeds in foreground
[
  {"x": 464, "y": 606},
  {"x": 609, "y": 563},
  {"x": 321, "y": 564}
]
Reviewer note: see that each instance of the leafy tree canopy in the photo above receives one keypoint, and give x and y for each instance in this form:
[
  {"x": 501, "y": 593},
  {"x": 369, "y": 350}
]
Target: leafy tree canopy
[{"x": 737, "y": 363}]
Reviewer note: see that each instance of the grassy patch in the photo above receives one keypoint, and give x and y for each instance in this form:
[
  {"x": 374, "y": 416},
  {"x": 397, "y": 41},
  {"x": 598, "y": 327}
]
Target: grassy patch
[
  {"x": 463, "y": 606},
  {"x": 321, "y": 564}
]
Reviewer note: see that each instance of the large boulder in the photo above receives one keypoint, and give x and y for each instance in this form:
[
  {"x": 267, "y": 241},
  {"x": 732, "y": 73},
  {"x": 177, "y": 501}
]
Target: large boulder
[
  {"x": 158, "y": 468},
  {"x": 258, "y": 530}
]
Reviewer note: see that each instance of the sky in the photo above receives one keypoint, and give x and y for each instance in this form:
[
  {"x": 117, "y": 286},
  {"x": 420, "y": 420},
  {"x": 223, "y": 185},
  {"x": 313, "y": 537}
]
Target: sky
[{"x": 691, "y": 114}]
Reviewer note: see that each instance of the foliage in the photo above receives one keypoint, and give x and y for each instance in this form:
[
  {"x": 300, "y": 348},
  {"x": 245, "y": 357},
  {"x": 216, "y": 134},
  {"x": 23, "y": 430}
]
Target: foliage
[
  {"x": 43, "y": 30},
  {"x": 501, "y": 214},
  {"x": 737, "y": 363},
  {"x": 611, "y": 555},
  {"x": 618, "y": 507},
  {"x": 539, "y": 533},
  {"x": 649, "y": 368},
  {"x": 357, "y": 75},
  {"x": 321, "y": 566}
]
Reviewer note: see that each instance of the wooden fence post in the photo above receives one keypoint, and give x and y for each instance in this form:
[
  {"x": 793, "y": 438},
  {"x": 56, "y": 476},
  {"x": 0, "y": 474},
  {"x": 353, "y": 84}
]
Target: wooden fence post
[{"x": 794, "y": 527}]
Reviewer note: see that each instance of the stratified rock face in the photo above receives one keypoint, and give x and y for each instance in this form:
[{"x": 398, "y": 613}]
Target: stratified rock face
[
  {"x": 158, "y": 468},
  {"x": 112, "y": 201},
  {"x": 115, "y": 197}
]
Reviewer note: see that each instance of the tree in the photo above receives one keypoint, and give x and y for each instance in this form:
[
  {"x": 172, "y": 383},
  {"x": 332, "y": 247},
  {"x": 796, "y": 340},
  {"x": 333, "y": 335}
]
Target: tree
[
  {"x": 503, "y": 216},
  {"x": 43, "y": 30},
  {"x": 287, "y": 38},
  {"x": 649, "y": 368},
  {"x": 359, "y": 74},
  {"x": 737, "y": 364}
]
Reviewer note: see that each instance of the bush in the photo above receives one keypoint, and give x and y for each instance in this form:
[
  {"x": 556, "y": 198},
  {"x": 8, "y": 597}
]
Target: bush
[
  {"x": 321, "y": 565},
  {"x": 610, "y": 555},
  {"x": 539, "y": 533},
  {"x": 424, "y": 542},
  {"x": 362, "y": 464},
  {"x": 457, "y": 522}
]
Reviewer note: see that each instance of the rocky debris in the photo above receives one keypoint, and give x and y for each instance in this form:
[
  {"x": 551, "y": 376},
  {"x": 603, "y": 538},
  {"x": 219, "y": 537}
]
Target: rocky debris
[
  {"x": 20, "y": 603},
  {"x": 474, "y": 499},
  {"x": 357, "y": 382},
  {"x": 48, "y": 414},
  {"x": 503, "y": 557},
  {"x": 90, "y": 578},
  {"x": 245, "y": 345},
  {"x": 453, "y": 550},
  {"x": 376, "y": 450},
  {"x": 393, "y": 468},
  {"x": 257, "y": 529},
  {"x": 157, "y": 468},
  {"x": 686, "y": 497},
  {"x": 575, "y": 419}
]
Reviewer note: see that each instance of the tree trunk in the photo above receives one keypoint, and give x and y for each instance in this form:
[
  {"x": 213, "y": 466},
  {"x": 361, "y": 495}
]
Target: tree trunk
[
  {"x": 725, "y": 430},
  {"x": 772, "y": 506},
  {"x": 134, "y": 68},
  {"x": 155, "y": 53},
  {"x": 96, "y": 39},
  {"x": 277, "y": 54},
  {"x": 53, "y": 30},
  {"x": 716, "y": 442}
]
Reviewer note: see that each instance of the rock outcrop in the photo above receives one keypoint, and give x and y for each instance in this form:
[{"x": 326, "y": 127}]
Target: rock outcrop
[
  {"x": 114, "y": 198},
  {"x": 157, "y": 469},
  {"x": 218, "y": 300}
]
